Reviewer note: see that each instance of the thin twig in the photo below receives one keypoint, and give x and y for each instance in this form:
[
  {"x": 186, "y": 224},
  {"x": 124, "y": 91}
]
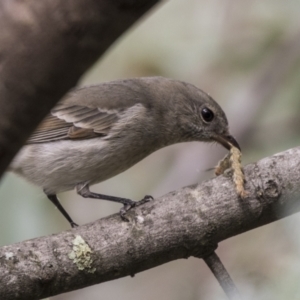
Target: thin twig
[{"x": 223, "y": 277}]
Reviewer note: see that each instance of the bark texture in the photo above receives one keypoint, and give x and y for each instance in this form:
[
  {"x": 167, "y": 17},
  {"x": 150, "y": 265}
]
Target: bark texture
[
  {"x": 45, "y": 46},
  {"x": 183, "y": 223}
]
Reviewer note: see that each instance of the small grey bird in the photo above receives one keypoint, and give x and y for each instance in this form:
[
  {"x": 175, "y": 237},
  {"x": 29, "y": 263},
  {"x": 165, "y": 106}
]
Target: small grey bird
[{"x": 97, "y": 132}]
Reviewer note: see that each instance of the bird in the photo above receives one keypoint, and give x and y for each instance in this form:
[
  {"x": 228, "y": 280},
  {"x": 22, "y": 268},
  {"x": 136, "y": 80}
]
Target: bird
[{"x": 96, "y": 132}]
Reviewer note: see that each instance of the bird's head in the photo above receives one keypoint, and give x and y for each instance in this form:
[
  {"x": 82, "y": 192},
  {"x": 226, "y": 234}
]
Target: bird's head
[{"x": 201, "y": 118}]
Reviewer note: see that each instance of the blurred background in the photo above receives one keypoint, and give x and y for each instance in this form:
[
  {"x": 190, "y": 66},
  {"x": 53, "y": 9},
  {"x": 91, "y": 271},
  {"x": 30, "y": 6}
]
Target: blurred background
[{"x": 246, "y": 55}]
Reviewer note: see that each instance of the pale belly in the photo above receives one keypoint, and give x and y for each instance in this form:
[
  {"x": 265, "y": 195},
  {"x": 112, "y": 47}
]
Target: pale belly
[{"x": 61, "y": 166}]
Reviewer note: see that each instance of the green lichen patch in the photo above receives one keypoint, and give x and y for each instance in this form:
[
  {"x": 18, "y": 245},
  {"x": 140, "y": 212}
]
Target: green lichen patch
[{"x": 81, "y": 255}]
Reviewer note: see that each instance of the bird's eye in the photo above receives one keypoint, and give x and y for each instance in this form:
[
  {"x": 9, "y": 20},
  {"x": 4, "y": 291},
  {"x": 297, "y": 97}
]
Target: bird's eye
[{"x": 207, "y": 114}]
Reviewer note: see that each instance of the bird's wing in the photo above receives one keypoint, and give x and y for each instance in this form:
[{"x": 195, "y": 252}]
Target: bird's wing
[
  {"x": 68, "y": 121},
  {"x": 104, "y": 106}
]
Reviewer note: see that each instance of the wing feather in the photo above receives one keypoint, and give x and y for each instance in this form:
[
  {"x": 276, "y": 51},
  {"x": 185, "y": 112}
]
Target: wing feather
[{"x": 74, "y": 122}]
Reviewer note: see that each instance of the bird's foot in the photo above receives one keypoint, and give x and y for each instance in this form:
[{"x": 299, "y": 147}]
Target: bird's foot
[
  {"x": 130, "y": 204},
  {"x": 146, "y": 199},
  {"x": 73, "y": 224}
]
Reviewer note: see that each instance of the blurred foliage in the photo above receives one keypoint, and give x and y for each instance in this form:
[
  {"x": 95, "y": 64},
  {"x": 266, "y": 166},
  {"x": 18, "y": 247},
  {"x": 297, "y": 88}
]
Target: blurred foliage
[{"x": 245, "y": 54}]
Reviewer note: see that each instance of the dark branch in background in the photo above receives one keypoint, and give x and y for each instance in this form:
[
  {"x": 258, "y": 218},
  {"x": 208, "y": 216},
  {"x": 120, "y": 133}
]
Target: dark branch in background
[
  {"x": 183, "y": 223},
  {"x": 45, "y": 46}
]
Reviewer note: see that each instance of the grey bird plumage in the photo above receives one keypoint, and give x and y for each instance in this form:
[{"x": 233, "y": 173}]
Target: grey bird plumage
[{"x": 97, "y": 132}]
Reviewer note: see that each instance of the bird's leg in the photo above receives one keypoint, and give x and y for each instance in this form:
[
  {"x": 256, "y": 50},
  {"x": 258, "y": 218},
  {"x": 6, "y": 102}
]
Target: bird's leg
[
  {"x": 84, "y": 191},
  {"x": 53, "y": 198}
]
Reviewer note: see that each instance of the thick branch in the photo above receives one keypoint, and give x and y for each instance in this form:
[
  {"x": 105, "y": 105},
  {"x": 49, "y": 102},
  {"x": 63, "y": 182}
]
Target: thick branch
[
  {"x": 45, "y": 46},
  {"x": 187, "y": 222}
]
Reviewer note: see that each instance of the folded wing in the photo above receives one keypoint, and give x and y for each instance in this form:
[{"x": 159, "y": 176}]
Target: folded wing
[{"x": 74, "y": 122}]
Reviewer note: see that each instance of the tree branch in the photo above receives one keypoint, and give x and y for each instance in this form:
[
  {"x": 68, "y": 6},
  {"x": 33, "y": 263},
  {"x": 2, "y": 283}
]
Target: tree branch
[
  {"x": 215, "y": 265},
  {"x": 45, "y": 46},
  {"x": 183, "y": 223}
]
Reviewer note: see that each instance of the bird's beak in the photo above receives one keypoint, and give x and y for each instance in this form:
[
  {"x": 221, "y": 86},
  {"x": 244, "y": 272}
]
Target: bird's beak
[{"x": 227, "y": 141}]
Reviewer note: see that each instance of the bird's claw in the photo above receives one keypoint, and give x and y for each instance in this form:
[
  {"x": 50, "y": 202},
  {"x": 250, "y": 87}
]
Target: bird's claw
[
  {"x": 132, "y": 204},
  {"x": 74, "y": 225},
  {"x": 146, "y": 199},
  {"x": 124, "y": 210}
]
